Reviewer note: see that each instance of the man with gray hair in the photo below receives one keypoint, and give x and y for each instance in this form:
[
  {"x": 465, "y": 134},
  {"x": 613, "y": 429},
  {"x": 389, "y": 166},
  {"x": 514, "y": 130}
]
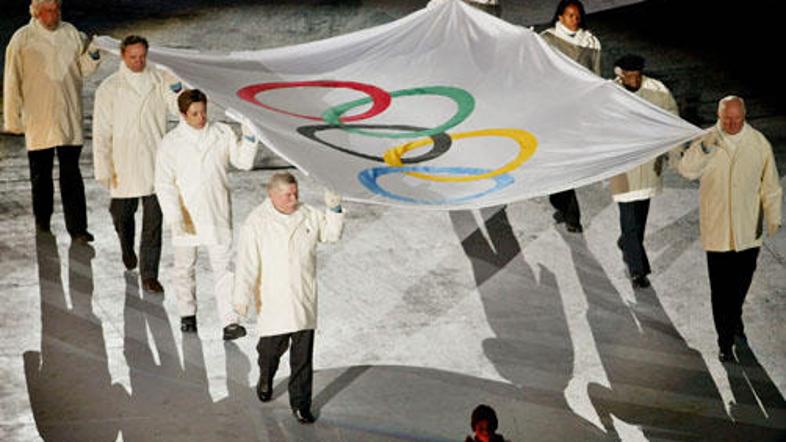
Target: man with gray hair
[
  {"x": 739, "y": 194},
  {"x": 45, "y": 64},
  {"x": 129, "y": 121},
  {"x": 276, "y": 266}
]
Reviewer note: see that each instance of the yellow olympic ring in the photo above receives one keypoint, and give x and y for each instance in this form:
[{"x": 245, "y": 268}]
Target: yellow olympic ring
[{"x": 527, "y": 143}]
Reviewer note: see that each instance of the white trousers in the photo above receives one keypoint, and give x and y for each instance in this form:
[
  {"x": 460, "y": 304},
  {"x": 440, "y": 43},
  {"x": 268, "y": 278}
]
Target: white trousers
[{"x": 184, "y": 276}]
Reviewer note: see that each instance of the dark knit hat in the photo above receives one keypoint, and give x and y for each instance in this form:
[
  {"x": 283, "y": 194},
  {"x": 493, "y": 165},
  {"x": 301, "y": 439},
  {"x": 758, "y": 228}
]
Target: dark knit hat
[{"x": 630, "y": 62}]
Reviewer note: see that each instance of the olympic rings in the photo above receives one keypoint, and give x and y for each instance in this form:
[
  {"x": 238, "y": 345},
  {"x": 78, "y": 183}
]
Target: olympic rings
[
  {"x": 527, "y": 143},
  {"x": 465, "y": 102},
  {"x": 381, "y": 99},
  {"x": 440, "y": 141},
  {"x": 369, "y": 177}
]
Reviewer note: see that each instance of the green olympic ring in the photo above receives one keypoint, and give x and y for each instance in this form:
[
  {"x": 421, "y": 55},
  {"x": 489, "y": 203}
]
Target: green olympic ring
[{"x": 465, "y": 102}]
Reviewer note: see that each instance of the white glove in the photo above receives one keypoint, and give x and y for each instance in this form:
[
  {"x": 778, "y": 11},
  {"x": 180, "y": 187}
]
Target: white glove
[
  {"x": 247, "y": 130},
  {"x": 92, "y": 48},
  {"x": 332, "y": 199},
  {"x": 710, "y": 141},
  {"x": 173, "y": 83}
]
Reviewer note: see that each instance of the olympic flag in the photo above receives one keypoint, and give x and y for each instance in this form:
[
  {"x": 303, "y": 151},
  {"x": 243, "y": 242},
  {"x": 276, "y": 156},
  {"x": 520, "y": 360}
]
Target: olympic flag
[{"x": 446, "y": 108}]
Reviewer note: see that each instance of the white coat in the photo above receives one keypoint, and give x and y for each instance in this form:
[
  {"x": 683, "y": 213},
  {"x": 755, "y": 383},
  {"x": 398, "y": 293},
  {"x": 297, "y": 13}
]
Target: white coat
[
  {"x": 129, "y": 121},
  {"x": 645, "y": 181},
  {"x": 277, "y": 265},
  {"x": 739, "y": 188},
  {"x": 191, "y": 181},
  {"x": 42, "y": 84}
]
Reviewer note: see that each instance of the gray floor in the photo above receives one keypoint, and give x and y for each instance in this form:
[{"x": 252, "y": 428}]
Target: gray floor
[{"x": 422, "y": 315}]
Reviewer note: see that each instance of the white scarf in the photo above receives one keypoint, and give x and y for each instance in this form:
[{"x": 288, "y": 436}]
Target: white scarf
[
  {"x": 581, "y": 38},
  {"x": 50, "y": 35},
  {"x": 141, "y": 82},
  {"x": 288, "y": 220},
  {"x": 733, "y": 142},
  {"x": 199, "y": 137}
]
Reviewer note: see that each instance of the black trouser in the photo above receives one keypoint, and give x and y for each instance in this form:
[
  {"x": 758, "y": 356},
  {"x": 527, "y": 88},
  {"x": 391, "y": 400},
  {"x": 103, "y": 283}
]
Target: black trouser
[
  {"x": 633, "y": 221},
  {"x": 566, "y": 203},
  {"x": 123, "y": 211},
  {"x": 271, "y": 348},
  {"x": 731, "y": 274},
  {"x": 72, "y": 189}
]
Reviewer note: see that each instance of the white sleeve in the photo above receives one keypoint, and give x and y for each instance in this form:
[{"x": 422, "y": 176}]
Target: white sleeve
[
  {"x": 771, "y": 190},
  {"x": 12, "y": 88},
  {"x": 165, "y": 185},
  {"x": 242, "y": 151},
  {"x": 102, "y": 133},
  {"x": 331, "y": 224},
  {"x": 696, "y": 158},
  {"x": 248, "y": 270},
  {"x": 87, "y": 65}
]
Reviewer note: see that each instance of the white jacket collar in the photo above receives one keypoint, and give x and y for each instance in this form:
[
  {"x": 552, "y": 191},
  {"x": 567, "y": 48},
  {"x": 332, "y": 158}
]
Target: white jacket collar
[
  {"x": 141, "y": 82},
  {"x": 287, "y": 219},
  {"x": 44, "y": 32},
  {"x": 193, "y": 135},
  {"x": 737, "y": 140},
  {"x": 581, "y": 38}
]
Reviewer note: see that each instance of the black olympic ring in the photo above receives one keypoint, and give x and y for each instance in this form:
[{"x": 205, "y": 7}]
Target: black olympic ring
[{"x": 442, "y": 141}]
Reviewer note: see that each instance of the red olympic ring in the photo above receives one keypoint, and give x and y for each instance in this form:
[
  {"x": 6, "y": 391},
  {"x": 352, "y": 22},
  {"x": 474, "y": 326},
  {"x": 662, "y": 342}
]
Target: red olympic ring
[{"x": 380, "y": 98}]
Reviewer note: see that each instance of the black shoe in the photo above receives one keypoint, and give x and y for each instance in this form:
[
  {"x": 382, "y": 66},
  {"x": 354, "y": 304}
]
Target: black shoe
[
  {"x": 264, "y": 392},
  {"x": 303, "y": 416},
  {"x": 130, "y": 261},
  {"x": 726, "y": 356},
  {"x": 574, "y": 228},
  {"x": 83, "y": 237},
  {"x": 152, "y": 285},
  {"x": 640, "y": 282},
  {"x": 188, "y": 324},
  {"x": 234, "y": 331},
  {"x": 558, "y": 216}
]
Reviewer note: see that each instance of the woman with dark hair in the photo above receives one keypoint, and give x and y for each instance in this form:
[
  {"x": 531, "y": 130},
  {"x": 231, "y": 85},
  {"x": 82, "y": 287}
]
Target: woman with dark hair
[{"x": 569, "y": 35}]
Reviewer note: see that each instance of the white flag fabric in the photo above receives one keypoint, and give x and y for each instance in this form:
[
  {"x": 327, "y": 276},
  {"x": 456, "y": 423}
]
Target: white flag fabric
[{"x": 447, "y": 108}]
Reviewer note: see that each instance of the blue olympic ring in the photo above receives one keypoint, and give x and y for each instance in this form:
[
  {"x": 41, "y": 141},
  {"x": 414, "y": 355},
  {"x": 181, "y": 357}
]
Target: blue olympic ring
[{"x": 369, "y": 177}]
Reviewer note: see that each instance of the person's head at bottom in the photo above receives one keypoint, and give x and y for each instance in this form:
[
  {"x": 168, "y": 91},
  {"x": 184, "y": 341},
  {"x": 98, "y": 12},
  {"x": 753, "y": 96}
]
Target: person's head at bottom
[{"x": 484, "y": 424}]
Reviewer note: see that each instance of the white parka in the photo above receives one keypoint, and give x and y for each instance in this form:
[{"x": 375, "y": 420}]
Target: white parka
[
  {"x": 645, "y": 181},
  {"x": 129, "y": 121},
  {"x": 739, "y": 188},
  {"x": 191, "y": 181},
  {"x": 580, "y": 46},
  {"x": 42, "y": 84},
  {"x": 277, "y": 263}
]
